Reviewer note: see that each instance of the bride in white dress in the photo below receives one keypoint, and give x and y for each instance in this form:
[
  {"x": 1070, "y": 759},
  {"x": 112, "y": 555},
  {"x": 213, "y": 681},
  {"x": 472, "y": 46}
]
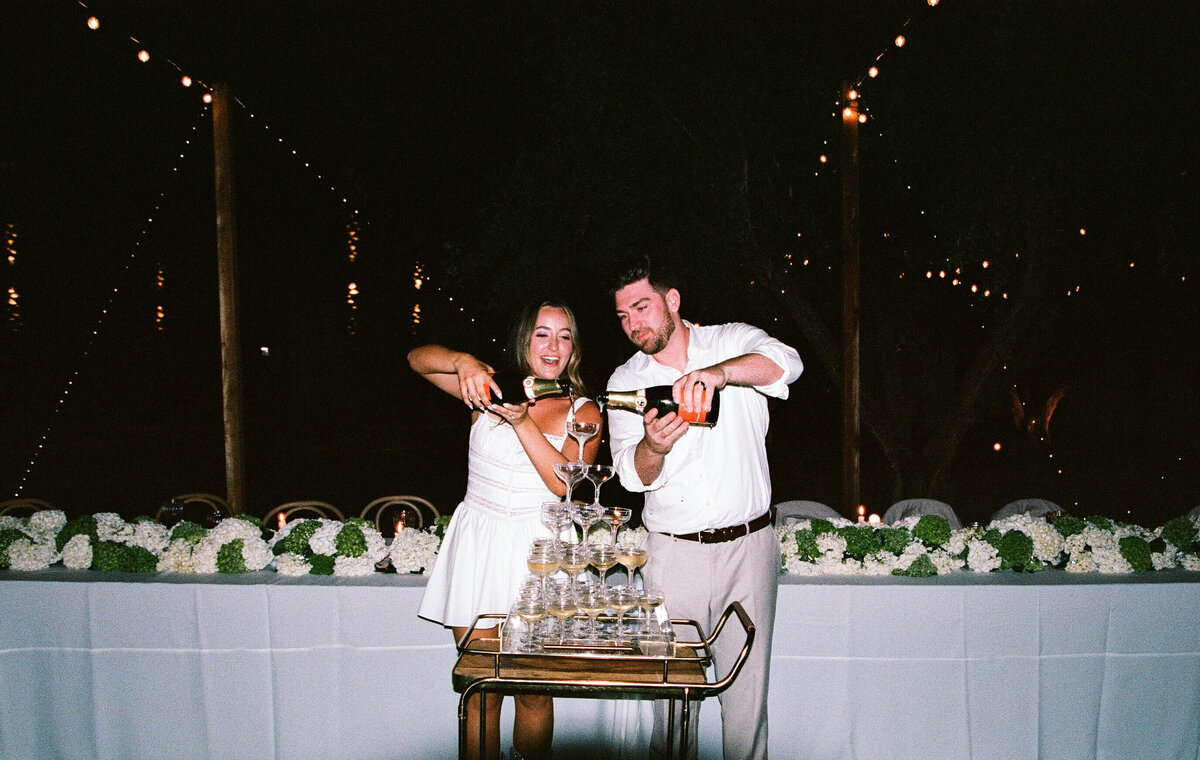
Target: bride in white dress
[{"x": 511, "y": 458}]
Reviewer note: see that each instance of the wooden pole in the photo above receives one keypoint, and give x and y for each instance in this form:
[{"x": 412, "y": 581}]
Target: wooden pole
[
  {"x": 231, "y": 362},
  {"x": 851, "y": 400}
]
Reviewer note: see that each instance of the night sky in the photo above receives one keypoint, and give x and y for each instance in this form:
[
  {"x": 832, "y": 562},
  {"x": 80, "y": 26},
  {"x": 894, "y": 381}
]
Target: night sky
[{"x": 510, "y": 150}]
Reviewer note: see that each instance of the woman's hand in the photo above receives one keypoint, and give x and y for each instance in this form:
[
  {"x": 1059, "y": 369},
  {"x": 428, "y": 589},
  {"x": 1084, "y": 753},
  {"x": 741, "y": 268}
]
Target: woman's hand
[
  {"x": 475, "y": 381},
  {"x": 513, "y": 414}
]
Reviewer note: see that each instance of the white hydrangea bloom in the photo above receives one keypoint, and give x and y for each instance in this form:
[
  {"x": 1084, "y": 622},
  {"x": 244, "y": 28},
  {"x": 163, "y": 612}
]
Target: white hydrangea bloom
[
  {"x": 910, "y": 554},
  {"x": 880, "y": 563},
  {"x": 255, "y": 552},
  {"x": 632, "y": 537},
  {"x": 77, "y": 552},
  {"x": 1081, "y": 562},
  {"x": 1109, "y": 560},
  {"x": 324, "y": 539},
  {"x": 796, "y": 566},
  {"x": 110, "y": 527},
  {"x": 47, "y": 522},
  {"x": 944, "y": 561},
  {"x": 151, "y": 536},
  {"x": 24, "y": 554},
  {"x": 957, "y": 543},
  {"x": 1190, "y": 562},
  {"x": 12, "y": 522},
  {"x": 982, "y": 557},
  {"x": 204, "y": 554},
  {"x": 1164, "y": 560},
  {"x": 176, "y": 557},
  {"x": 353, "y": 566},
  {"x": 832, "y": 546},
  {"x": 377, "y": 547},
  {"x": 414, "y": 550},
  {"x": 292, "y": 564}
]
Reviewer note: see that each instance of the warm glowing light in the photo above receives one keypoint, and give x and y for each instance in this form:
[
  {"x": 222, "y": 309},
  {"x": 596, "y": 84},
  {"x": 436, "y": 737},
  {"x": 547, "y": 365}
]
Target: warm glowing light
[
  {"x": 186, "y": 81},
  {"x": 932, "y": 3},
  {"x": 93, "y": 23},
  {"x": 874, "y": 519},
  {"x": 1082, "y": 231},
  {"x": 900, "y": 40},
  {"x": 942, "y": 274},
  {"x": 824, "y": 159},
  {"x": 207, "y": 97},
  {"x": 282, "y": 520},
  {"x": 848, "y": 113},
  {"x": 985, "y": 264},
  {"x": 929, "y": 275},
  {"x": 143, "y": 56},
  {"x": 873, "y": 72},
  {"x": 862, "y": 118},
  {"x": 996, "y": 446},
  {"x": 853, "y": 94}
]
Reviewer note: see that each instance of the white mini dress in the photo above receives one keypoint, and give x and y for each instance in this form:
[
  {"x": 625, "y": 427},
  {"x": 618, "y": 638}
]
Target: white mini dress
[{"x": 481, "y": 562}]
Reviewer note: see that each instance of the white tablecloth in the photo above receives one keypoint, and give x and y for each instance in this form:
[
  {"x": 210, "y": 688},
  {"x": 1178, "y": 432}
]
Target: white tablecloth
[{"x": 1000, "y": 666}]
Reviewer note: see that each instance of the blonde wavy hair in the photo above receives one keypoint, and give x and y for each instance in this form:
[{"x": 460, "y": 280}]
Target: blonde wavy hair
[{"x": 522, "y": 334}]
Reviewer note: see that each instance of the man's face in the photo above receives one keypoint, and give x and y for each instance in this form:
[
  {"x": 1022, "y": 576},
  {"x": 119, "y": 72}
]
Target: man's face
[{"x": 645, "y": 316}]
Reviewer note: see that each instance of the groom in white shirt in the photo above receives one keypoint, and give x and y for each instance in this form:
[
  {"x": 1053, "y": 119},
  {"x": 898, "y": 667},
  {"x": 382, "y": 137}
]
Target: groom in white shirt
[{"x": 707, "y": 490}]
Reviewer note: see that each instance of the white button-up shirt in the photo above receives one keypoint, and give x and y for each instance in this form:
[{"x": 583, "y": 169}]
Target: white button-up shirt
[{"x": 712, "y": 477}]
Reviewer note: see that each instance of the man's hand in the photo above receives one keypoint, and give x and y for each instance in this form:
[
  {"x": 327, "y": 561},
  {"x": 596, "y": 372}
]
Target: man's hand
[
  {"x": 661, "y": 433},
  {"x": 695, "y": 390}
]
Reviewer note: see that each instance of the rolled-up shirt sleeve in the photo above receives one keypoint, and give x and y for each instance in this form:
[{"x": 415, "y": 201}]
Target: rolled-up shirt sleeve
[{"x": 754, "y": 340}]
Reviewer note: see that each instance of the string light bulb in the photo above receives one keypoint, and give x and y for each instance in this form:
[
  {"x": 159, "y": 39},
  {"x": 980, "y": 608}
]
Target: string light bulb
[
  {"x": 143, "y": 56},
  {"x": 93, "y": 23},
  {"x": 900, "y": 40},
  {"x": 186, "y": 81}
]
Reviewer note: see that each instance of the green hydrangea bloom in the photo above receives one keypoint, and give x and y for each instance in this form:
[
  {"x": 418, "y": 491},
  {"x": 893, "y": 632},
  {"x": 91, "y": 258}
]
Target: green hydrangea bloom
[
  {"x": 255, "y": 521},
  {"x": 1136, "y": 552},
  {"x": 296, "y": 541},
  {"x": 230, "y": 559},
  {"x": 350, "y": 541},
  {"x": 820, "y": 526},
  {"x": 1181, "y": 532},
  {"x": 1067, "y": 525},
  {"x": 921, "y": 567},
  {"x": 894, "y": 540},
  {"x": 440, "y": 525},
  {"x": 111, "y": 556},
  {"x": 860, "y": 542},
  {"x": 992, "y": 536},
  {"x": 85, "y": 525},
  {"x": 7, "y": 537},
  {"x": 1101, "y": 522},
  {"x": 188, "y": 531},
  {"x": 1016, "y": 551},
  {"x": 322, "y": 564},
  {"x": 806, "y": 545},
  {"x": 360, "y": 522},
  {"x": 932, "y": 530}
]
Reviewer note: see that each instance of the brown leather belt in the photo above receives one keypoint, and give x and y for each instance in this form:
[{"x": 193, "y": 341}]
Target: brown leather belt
[{"x": 721, "y": 535}]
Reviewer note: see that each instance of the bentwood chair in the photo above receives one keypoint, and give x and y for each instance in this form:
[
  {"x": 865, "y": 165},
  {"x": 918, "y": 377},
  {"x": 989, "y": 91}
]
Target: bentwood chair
[
  {"x": 25, "y": 506},
  {"x": 909, "y": 507},
  {"x": 413, "y": 511},
  {"x": 1031, "y": 507},
  {"x": 298, "y": 509},
  {"x": 791, "y": 511},
  {"x": 1195, "y": 513}
]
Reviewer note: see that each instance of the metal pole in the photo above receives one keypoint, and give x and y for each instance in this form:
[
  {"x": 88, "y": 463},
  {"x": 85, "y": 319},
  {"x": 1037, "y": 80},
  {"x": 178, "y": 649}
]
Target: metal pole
[
  {"x": 851, "y": 399},
  {"x": 231, "y": 363}
]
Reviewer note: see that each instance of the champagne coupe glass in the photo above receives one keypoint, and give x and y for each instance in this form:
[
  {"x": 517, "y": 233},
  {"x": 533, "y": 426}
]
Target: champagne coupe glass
[
  {"x": 542, "y": 562},
  {"x": 563, "y": 605},
  {"x": 616, "y": 517},
  {"x": 575, "y": 559},
  {"x": 570, "y": 473},
  {"x": 556, "y": 516},
  {"x": 623, "y": 600},
  {"x": 592, "y": 602},
  {"x": 585, "y": 516},
  {"x": 598, "y": 474},
  {"x": 531, "y": 611},
  {"x": 581, "y": 432},
  {"x": 604, "y": 557},
  {"x": 631, "y": 558},
  {"x": 650, "y": 600}
]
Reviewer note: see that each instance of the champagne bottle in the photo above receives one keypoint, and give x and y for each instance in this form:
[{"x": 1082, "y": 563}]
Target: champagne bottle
[
  {"x": 519, "y": 391},
  {"x": 659, "y": 397}
]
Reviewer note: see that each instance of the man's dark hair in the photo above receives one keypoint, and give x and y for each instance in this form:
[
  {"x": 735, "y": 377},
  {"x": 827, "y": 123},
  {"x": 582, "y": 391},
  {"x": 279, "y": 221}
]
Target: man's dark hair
[{"x": 660, "y": 277}]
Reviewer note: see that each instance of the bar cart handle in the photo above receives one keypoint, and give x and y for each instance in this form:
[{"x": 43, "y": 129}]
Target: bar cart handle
[{"x": 750, "y": 629}]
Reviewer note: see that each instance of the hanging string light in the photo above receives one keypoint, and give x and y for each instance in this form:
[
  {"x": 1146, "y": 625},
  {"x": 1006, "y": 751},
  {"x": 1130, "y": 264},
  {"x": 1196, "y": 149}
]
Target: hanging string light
[{"x": 109, "y": 302}]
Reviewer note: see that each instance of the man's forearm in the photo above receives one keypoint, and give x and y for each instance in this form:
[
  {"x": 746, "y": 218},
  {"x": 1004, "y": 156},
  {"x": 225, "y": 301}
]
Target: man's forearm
[{"x": 647, "y": 463}]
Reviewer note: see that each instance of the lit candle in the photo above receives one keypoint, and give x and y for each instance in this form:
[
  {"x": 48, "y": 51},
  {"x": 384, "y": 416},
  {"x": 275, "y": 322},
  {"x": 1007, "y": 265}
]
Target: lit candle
[
  {"x": 862, "y": 513},
  {"x": 282, "y": 520}
]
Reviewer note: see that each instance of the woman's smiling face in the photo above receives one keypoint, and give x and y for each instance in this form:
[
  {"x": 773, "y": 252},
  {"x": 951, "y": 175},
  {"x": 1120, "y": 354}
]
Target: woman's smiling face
[{"x": 551, "y": 344}]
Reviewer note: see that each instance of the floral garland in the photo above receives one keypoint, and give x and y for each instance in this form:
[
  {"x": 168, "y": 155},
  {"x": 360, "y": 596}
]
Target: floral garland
[
  {"x": 921, "y": 546},
  {"x": 916, "y": 546}
]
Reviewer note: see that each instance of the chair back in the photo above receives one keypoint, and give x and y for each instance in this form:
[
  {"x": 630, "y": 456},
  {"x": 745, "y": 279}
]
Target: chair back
[
  {"x": 25, "y": 505},
  {"x": 1195, "y": 513},
  {"x": 388, "y": 510},
  {"x": 907, "y": 507},
  {"x": 301, "y": 509},
  {"x": 791, "y": 511},
  {"x": 1031, "y": 507}
]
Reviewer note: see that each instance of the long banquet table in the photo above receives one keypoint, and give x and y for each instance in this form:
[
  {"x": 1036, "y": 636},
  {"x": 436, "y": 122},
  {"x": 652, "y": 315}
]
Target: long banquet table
[{"x": 1050, "y": 665}]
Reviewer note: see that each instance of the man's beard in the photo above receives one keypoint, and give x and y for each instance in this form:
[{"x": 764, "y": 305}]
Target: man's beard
[{"x": 658, "y": 339}]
